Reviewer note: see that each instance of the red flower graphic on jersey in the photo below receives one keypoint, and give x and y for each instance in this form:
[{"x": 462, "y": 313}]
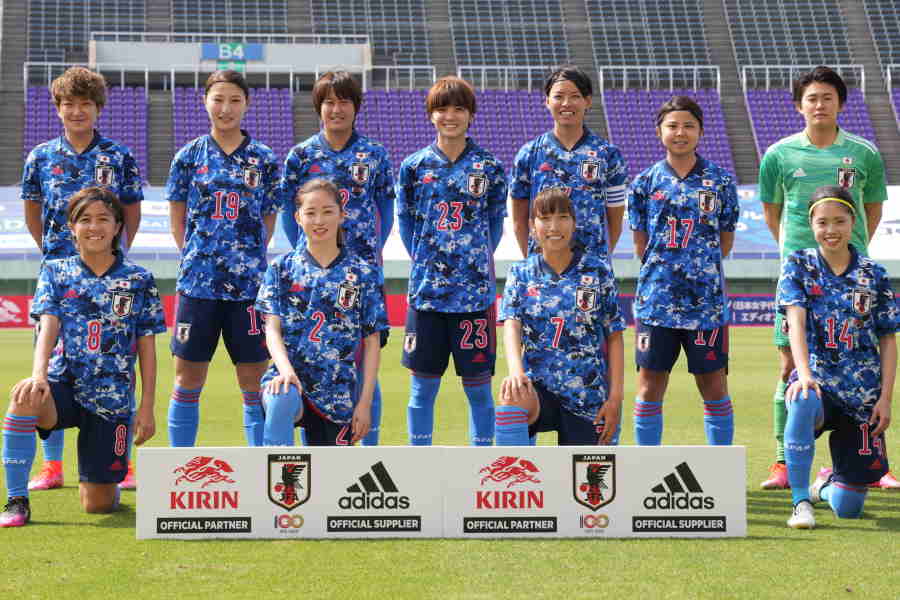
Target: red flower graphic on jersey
[
  {"x": 533, "y": 292},
  {"x": 71, "y": 294},
  {"x": 545, "y": 167},
  {"x": 57, "y": 170},
  {"x": 815, "y": 290},
  {"x": 429, "y": 178},
  {"x": 315, "y": 169},
  {"x": 297, "y": 288},
  {"x": 203, "y": 170},
  {"x": 207, "y": 468},
  {"x": 658, "y": 195},
  {"x": 511, "y": 469}
]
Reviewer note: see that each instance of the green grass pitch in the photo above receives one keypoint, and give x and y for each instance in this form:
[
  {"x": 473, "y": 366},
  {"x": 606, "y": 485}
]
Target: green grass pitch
[{"x": 70, "y": 554}]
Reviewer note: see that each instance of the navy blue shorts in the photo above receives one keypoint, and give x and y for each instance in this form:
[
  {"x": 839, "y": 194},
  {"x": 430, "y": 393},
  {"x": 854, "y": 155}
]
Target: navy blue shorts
[
  {"x": 431, "y": 337},
  {"x": 320, "y": 431},
  {"x": 657, "y": 348},
  {"x": 571, "y": 429},
  {"x": 198, "y": 323},
  {"x": 858, "y": 458},
  {"x": 103, "y": 446}
]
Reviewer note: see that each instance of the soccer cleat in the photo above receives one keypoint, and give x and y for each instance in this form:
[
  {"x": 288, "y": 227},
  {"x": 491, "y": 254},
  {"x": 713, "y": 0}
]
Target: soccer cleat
[
  {"x": 130, "y": 481},
  {"x": 802, "y": 517},
  {"x": 778, "y": 480},
  {"x": 815, "y": 490},
  {"x": 50, "y": 477},
  {"x": 888, "y": 482},
  {"x": 16, "y": 513}
]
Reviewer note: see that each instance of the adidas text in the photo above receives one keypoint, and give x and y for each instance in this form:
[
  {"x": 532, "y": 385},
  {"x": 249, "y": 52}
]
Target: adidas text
[
  {"x": 679, "y": 502},
  {"x": 376, "y": 501}
]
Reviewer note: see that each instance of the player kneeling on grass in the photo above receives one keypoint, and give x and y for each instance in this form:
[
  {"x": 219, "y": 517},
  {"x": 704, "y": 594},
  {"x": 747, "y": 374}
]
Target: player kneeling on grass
[
  {"x": 320, "y": 302},
  {"x": 683, "y": 211},
  {"x": 842, "y": 318},
  {"x": 106, "y": 310},
  {"x": 563, "y": 335}
]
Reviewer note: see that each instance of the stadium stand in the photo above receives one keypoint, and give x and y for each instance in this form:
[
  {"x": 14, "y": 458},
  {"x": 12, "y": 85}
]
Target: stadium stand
[
  {"x": 269, "y": 118},
  {"x": 520, "y": 32},
  {"x": 396, "y": 28},
  {"x": 631, "y": 116},
  {"x": 124, "y": 119},
  {"x": 58, "y": 31},
  {"x": 229, "y": 16},
  {"x": 884, "y": 24}
]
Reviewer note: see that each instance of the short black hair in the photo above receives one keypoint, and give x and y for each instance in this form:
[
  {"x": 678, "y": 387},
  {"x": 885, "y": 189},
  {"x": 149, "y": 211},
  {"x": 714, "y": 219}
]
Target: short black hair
[
  {"x": 573, "y": 74},
  {"x": 227, "y": 76},
  {"x": 820, "y": 74},
  {"x": 344, "y": 87},
  {"x": 675, "y": 103}
]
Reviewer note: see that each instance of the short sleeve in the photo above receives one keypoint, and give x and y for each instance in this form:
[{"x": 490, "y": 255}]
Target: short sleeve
[
  {"x": 268, "y": 299},
  {"x": 130, "y": 192},
  {"x": 791, "y": 291},
  {"x": 152, "y": 319},
  {"x": 637, "y": 205},
  {"x": 616, "y": 178},
  {"x": 770, "y": 190},
  {"x": 885, "y": 313},
  {"x": 31, "y": 179},
  {"x": 731, "y": 208},
  {"x": 613, "y": 320},
  {"x": 374, "y": 313},
  {"x": 511, "y": 303},
  {"x": 46, "y": 300},
  {"x": 179, "y": 182},
  {"x": 271, "y": 182},
  {"x": 875, "y": 187},
  {"x": 520, "y": 175}
]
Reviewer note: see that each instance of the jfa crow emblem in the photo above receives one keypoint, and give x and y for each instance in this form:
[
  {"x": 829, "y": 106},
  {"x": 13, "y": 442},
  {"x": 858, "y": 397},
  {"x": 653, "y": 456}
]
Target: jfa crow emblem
[
  {"x": 251, "y": 177},
  {"x": 121, "y": 303},
  {"x": 707, "y": 201},
  {"x": 846, "y": 177},
  {"x": 477, "y": 184},
  {"x": 347, "y": 295},
  {"x": 104, "y": 175},
  {"x": 862, "y": 302},
  {"x": 409, "y": 343},
  {"x": 585, "y": 299},
  {"x": 594, "y": 479},
  {"x": 289, "y": 479},
  {"x": 359, "y": 171},
  {"x": 643, "y": 342},
  {"x": 182, "y": 332},
  {"x": 590, "y": 170}
]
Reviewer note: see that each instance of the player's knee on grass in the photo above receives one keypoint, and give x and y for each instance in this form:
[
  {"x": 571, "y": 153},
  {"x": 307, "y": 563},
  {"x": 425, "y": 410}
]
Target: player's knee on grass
[{"x": 97, "y": 498}]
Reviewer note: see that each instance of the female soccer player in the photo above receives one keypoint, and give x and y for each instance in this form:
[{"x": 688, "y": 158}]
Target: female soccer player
[
  {"x": 563, "y": 334},
  {"x": 319, "y": 301},
  {"x": 222, "y": 193},
  {"x": 361, "y": 170},
  {"x": 570, "y": 156},
  {"x": 451, "y": 201},
  {"x": 842, "y": 319},
  {"x": 106, "y": 310},
  {"x": 683, "y": 211}
]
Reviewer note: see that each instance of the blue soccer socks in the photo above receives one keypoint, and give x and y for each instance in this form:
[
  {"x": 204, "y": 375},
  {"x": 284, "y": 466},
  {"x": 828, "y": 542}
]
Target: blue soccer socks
[
  {"x": 718, "y": 422},
  {"x": 253, "y": 418},
  {"x": 512, "y": 426},
  {"x": 19, "y": 448},
  {"x": 423, "y": 391},
  {"x": 282, "y": 411},
  {"x": 800, "y": 442},
  {"x": 648, "y": 422},
  {"x": 184, "y": 416},
  {"x": 845, "y": 500},
  {"x": 371, "y": 438},
  {"x": 481, "y": 410},
  {"x": 53, "y": 445}
]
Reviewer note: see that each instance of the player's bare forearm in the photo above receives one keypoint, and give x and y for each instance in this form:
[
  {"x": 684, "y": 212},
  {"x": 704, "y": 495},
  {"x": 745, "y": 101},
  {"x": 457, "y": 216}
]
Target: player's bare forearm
[
  {"x": 873, "y": 217},
  {"x": 371, "y": 359},
  {"x": 146, "y": 354},
  {"x": 772, "y": 214},
  {"x": 614, "y": 216},
  {"x": 269, "y": 222},
  {"x": 796, "y": 317},
  {"x": 177, "y": 212},
  {"x": 615, "y": 347},
  {"x": 887, "y": 346},
  {"x": 33, "y": 222},
  {"x": 132, "y": 214},
  {"x": 641, "y": 238},
  {"x": 726, "y": 242},
  {"x": 520, "y": 210},
  {"x": 49, "y": 332},
  {"x": 512, "y": 342},
  {"x": 275, "y": 345}
]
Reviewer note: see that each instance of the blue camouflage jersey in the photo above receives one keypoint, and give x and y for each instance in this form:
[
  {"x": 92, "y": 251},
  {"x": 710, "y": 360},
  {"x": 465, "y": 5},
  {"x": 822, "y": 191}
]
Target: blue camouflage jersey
[
  {"x": 227, "y": 196},
  {"x": 451, "y": 219},
  {"x": 845, "y": 316},
  {"x": 100, "y": 319},
  {"x": 325, "y": 312},
  {"x": 566, "y": 320},
  {"x": 362, "y": 173},
  {"x": 54, "y": 171},
  {"x": 681, "y": 283},
  {"x": 593, "y": 173}
]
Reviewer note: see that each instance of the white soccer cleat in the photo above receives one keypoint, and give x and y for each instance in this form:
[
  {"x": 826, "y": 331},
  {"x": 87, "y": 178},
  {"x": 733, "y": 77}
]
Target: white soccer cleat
[
  {"x": 802, "y": 517},
  {"x": 815, "y": 490}
]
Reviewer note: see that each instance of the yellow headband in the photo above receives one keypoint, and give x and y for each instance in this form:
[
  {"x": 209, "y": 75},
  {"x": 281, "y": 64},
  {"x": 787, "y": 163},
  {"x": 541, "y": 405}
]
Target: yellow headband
[{"x": 832, "y": 199}]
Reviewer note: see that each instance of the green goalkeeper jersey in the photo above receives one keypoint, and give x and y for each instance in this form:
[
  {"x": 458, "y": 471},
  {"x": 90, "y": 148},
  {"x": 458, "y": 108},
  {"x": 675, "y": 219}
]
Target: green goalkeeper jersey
[{"x": 793, "y": 168}]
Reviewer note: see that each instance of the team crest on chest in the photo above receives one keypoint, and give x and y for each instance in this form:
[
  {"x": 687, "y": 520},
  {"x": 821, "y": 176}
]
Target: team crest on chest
[
  {"x": 251, "y": 177},
  {"x": 121, "y": 303},
  {"x": 476, "y": 184},
  {"x": 104, "y": 175},
  {"x": 846, "y": 176},
  {"x": 706, "y": 201},
  {"x": 409, "y": 343},
  {"x": 585, "y": 298},
  {"x": 359, "y": 171},
  {"x": 590, "y": 170},
  {"x": 862, "y": 302},
  {"x": 643, "y": 342},
  {"x": 348, "y": 295}
]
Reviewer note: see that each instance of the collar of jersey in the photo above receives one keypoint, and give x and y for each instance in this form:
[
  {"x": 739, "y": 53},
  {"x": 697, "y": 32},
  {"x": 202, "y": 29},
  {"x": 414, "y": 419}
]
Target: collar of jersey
[
  {"x": 838, "y": 140},
  {"x": 312, "y": 259},
  {"x": 583, "y": 139},
  {"x": 112, "y": 268},
  {"x": 546, "y": 271},
  {"x": 826, "y": 268},
  {"x": 65, "y": 145},
  {"x": 440, "y": 153},
  {"x": 697, "y": 169},
  {"x": 240, "y": 148},
  {"x": 320, "y": 137}
]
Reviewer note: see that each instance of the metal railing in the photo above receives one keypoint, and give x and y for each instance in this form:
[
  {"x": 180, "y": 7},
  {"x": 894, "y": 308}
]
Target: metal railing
[
  {"x": 654, "y": 77},
  {"x": 782, "y": 76},
  {"x": 504, "y": 77},
  {"x": 250, "y": 68},
  {"x": 387, "y": 76},
  {"x": 47, "y": 71},
  {"x": 253, "y": 38}
]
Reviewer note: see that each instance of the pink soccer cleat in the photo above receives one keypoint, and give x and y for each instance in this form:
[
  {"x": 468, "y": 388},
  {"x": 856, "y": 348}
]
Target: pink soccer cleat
[
  {"x": 50, "y": 477},
  {"x": 16, "y": 513},
  {"x": 823, "y": 478},
  {"x": 778, "y": 480},
  {"x": 888, "y": 482},
  {"x": 130, "y": 481}
]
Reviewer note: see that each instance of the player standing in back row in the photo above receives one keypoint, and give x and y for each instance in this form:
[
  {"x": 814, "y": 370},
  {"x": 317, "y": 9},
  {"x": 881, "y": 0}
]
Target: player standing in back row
[{"x": 790, "y": 171}]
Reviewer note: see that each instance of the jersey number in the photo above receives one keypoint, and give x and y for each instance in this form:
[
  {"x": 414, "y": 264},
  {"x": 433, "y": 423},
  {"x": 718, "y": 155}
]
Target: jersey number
[
  {"x": 254, "y": 327},
  {"x": 481, "y": 335},
  {"x": 710, "y": 342},
  {"x": 688, "y": 225},
  {"x": 121, "y": 444},
  {"x": 345, "y": 198},
  {"x": 319, "y": 316},
  {"x": 845, "y": 337},
  {"x": 866, "y": 450},
  {"x": 94, "y": 329},
  {"x": 454, "y": 210},
  {"x": 558, "y": 322},
  {"x": 228, "y": 205}
]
